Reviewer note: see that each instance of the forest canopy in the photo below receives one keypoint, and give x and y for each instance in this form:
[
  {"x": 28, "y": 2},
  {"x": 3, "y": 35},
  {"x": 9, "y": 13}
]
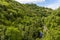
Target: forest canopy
[{"x": 28, "y": 22}]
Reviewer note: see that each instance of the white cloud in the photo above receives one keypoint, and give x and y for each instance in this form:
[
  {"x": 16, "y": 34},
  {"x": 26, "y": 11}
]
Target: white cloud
[
  {"x": 30, "y": 1},
  {"x": 54, "y": 5}
]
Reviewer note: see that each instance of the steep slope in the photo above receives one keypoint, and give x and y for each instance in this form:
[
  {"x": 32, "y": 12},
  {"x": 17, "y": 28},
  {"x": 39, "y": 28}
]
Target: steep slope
[{"x": 25, "y": 21}]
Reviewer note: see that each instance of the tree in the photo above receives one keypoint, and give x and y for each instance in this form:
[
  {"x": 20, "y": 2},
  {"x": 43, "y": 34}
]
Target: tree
[{"x": 13, "y": 34}]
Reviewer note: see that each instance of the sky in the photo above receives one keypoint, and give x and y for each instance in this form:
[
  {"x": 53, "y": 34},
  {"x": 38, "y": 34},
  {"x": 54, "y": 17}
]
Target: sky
[{"x": 54, "y": 4}]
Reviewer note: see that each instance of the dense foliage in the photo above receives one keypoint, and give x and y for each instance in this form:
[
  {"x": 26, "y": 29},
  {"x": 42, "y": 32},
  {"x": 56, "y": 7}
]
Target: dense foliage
[{"x": 26, "y": 21}]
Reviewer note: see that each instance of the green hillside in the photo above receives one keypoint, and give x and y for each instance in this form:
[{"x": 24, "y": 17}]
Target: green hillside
[{"x": 25, "y": 21}]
